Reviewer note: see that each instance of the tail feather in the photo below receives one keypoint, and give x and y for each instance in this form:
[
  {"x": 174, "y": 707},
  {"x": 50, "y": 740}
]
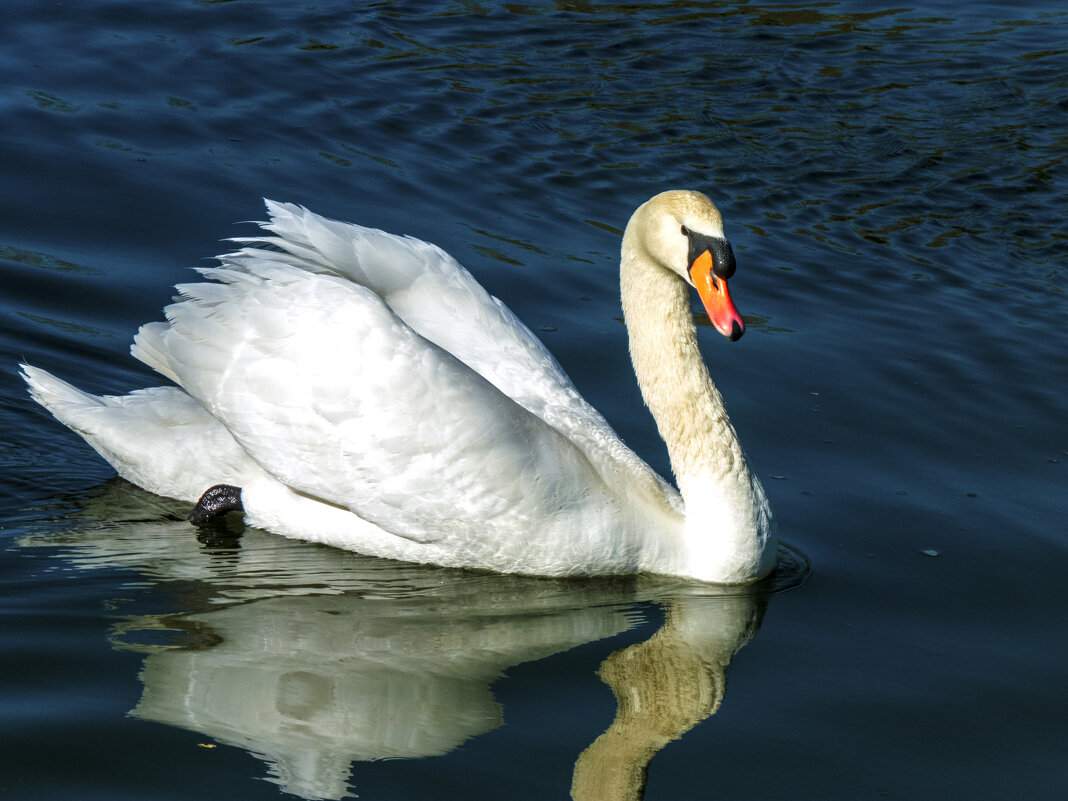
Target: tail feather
[
  {"x": 63, "y": 400},
  {"x": 159, "y": 438}
]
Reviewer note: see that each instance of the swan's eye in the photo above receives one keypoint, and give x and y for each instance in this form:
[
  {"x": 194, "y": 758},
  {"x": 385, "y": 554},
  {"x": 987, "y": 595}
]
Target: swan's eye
[{"x": 685, "y": 231}]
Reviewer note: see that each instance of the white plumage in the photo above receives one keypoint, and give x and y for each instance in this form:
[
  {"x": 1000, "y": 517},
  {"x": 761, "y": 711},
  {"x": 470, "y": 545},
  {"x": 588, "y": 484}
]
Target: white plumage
[{"x": 366, "y": 392}]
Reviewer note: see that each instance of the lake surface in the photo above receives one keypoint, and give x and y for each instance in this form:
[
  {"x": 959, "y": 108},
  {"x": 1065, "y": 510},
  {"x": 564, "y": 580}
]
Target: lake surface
[{"x": 894, "y": 185}]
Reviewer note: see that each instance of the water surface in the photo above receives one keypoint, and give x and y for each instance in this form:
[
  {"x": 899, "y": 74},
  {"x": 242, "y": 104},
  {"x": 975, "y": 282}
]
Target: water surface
[{"x": 893, "y": 183}]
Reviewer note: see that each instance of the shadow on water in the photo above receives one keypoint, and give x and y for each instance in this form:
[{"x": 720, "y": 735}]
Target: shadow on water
[{"x": 312, "y": 658}]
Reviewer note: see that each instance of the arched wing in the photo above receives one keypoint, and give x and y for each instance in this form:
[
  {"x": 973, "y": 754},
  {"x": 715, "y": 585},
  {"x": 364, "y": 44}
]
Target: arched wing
[{"x": 332, "y": 393}]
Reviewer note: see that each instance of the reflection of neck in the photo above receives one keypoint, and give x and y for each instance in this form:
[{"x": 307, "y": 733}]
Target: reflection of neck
[{"x": 663, "y": 687}]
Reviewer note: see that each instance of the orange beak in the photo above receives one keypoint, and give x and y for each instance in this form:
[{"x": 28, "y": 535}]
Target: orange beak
[{"x": 717, "y": 300}]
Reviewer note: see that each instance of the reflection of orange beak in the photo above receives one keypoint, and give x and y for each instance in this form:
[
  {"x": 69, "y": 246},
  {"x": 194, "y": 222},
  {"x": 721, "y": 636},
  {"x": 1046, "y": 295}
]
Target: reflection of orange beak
[{"x": 717, "y": 300}]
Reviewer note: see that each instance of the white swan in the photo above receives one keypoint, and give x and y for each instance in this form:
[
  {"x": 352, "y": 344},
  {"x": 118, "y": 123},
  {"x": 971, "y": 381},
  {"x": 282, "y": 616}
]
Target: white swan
[{"x": 364, "y": 391}]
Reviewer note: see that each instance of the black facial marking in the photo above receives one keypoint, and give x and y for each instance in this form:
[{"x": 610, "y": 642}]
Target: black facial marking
[{"x": 723, "y": 264}]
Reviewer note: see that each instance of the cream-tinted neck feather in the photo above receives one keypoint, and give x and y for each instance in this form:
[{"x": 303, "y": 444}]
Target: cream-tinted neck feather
[{"x": 728, "y": 521}]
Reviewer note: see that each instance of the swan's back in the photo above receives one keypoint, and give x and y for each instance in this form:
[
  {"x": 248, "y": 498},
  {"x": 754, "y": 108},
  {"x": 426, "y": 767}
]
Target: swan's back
[
  {"x": 438, "y": 299},
  {"x": 425, "y": 287}
]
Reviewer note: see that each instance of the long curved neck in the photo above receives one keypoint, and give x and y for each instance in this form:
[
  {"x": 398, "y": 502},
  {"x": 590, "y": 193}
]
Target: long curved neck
[
  {"x": 729, "y": 531},
  {"x": 688, "y": 409}
]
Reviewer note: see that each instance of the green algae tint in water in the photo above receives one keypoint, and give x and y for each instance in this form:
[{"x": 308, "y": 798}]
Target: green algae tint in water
[{"x": 893, "y": 184}]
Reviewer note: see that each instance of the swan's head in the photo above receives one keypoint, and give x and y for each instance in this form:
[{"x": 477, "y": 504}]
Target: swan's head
[{"x": 682, "y": 231}]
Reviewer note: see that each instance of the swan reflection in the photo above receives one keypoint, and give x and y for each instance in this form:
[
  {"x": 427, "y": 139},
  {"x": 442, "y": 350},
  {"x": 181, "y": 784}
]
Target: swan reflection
[{"x": 313, "y": 658}]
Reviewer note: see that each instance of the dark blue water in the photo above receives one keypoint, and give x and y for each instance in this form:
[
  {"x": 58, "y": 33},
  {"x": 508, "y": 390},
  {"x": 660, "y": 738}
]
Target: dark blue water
[{"x": 894, "y": 184}]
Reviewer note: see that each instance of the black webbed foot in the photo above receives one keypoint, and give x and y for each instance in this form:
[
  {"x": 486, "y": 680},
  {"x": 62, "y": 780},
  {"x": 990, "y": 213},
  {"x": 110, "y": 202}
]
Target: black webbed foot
[{"x": 215, "y": 503}]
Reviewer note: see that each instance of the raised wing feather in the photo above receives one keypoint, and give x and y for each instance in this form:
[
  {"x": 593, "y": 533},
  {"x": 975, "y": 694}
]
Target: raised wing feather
[
  {"x": 327, "y": 389},
  {"x": 429, "y": 290},
  {"x": 438, "y": 298}
]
